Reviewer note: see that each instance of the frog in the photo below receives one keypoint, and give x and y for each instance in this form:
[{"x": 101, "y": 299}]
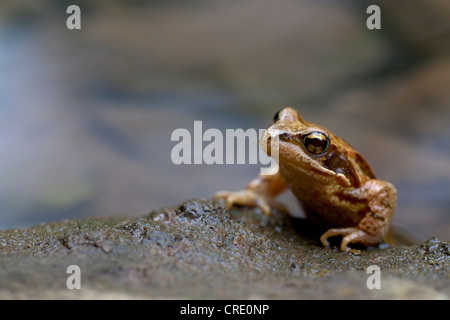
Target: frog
[{"x": 334, "y": 184}]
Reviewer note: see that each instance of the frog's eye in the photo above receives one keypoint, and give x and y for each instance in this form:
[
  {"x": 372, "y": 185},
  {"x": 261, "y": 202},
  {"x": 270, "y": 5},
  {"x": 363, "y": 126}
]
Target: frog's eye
[
  {"x": 276, "y": 117},
  {"x": 316, "y": 142}
]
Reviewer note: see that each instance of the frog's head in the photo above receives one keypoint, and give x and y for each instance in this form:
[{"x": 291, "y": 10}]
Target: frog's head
[{"x": 311, "y": 150}]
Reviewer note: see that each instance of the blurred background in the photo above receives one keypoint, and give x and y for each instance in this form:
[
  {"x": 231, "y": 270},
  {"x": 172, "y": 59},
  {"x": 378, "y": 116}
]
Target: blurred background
[{"x": 86, "y": 115}]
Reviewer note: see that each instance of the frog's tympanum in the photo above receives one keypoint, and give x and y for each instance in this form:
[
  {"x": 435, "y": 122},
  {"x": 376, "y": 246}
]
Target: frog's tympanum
[{"x": 333, "y": 182}]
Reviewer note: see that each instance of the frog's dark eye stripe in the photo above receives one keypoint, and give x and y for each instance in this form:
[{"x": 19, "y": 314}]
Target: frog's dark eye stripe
[
  {"x": 276, "y": 117},
  {"x": 316, "y": 142}
]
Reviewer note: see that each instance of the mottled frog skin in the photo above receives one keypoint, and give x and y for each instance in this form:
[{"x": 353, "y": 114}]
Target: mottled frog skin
[{"x": 332, "y": 181}]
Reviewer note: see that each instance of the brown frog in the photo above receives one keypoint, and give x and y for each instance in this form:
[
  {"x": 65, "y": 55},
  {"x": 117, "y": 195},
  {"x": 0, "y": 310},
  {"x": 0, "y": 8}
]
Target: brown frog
[{"x": 333, "y": 182}]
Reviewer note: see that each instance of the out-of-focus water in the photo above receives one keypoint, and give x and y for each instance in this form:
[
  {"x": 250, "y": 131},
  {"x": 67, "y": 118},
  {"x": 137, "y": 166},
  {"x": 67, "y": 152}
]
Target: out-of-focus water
[{"x": 86, "y": 116}]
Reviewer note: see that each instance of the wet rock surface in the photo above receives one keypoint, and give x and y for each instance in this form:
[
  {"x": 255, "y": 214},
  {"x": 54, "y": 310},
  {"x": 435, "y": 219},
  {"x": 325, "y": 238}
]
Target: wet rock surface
[
  {"x": 201, "y": 250},
  {"x": 94, "y": 136}
]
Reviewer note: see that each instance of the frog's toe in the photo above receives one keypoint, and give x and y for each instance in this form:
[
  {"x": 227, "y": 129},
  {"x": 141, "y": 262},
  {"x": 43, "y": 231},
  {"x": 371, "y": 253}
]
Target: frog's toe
[
  {"x": 221, "y": 195},
  {"x": 361, "y": 237},
  {"x": 244, "y": 198},
  {"x": 344, "y": 232},
  {"x": 357, "y": 236},
  {"x": 350, "y": 235}
]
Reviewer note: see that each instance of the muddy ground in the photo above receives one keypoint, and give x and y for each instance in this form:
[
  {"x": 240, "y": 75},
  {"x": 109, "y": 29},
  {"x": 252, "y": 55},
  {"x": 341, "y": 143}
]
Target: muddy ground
[{"x": 201, "y": 250}]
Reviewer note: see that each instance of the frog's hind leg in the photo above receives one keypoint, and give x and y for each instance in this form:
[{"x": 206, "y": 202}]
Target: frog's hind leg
[{"x": 374, "y": 226}]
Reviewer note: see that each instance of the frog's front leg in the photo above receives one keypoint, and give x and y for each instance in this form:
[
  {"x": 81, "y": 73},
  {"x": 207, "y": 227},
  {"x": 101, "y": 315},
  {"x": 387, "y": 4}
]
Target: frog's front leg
[
  {"x": 371, "y": 230},
  {"x": 260, "y": 192}
]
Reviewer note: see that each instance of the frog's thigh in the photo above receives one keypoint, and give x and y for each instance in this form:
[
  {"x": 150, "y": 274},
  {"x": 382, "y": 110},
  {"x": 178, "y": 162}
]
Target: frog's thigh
[{"x": 382, "y": 198}]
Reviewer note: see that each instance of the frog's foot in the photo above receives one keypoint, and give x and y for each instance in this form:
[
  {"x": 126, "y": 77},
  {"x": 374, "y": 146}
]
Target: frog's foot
[
  {"x": 245, "y": 198},
  {"x": 349, "y": 235}
]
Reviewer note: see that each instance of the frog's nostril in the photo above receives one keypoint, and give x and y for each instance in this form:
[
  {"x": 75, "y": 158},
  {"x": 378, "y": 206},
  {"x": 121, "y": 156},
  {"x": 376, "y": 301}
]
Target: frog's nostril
[{"x": 284, "y": 136}]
